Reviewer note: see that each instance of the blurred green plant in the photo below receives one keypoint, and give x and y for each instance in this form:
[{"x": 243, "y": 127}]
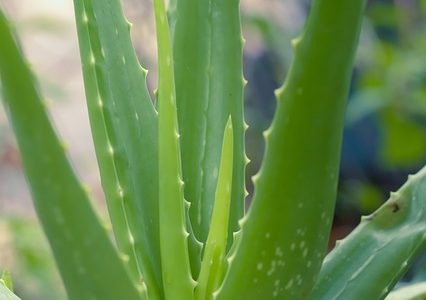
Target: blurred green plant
[
  {"x": 179, "y": 242},
  {"x": 32, "y": 262}
]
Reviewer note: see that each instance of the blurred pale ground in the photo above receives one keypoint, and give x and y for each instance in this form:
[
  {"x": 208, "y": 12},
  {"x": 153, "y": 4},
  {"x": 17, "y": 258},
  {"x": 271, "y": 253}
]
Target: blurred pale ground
[{"x": 383, "y": 141}]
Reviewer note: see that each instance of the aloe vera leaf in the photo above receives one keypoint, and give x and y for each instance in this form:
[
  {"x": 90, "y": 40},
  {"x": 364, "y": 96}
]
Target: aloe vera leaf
[
  {"x": 415, "y": 291},
  {"x": 87, "y": 260},
  {"x": 213, "y": 265},
  {"x": 177, "y": 278},
  {"x": 207, "y": 46},
  {"x": 285, "y": 235},
  {"x": 5, "y": 293},
  {"x": 124, "y": 127},
  {"x": 378, "y": 252}
]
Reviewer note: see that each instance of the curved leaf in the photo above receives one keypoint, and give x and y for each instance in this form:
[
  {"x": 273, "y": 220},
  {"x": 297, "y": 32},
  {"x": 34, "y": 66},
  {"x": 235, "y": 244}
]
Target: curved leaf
[
  {"x": 88, "y": 262},
  {"x": 285, "y": 234},
  {"x": 177, "y": 279},
  {"x": 213, "y": 265},
  {"x": 124, "y": 128},
  {"x": 207, "y": 46},
  {"x": 378, "y": 252}
]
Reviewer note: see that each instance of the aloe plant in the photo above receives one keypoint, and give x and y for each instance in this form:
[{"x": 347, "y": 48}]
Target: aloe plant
[{"x": 173, "y": 169}]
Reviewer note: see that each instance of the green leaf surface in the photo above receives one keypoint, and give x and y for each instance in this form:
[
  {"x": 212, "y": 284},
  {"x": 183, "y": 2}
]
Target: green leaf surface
[
  {"x": 213, "y": 265},
  {"x": 378, "y": 252},
  {"x": 124, "y": 127},
  {"x": 88, "y": 262},
  {"x": 177, "y": 280},
  {"x": 207, "y": 46},
  {"x": 285, "y": 235}
]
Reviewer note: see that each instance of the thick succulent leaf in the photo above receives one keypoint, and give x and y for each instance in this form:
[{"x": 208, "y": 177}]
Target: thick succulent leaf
[
  {"x": 88, "y": 262},
  {"x": 124, "y": 127},
  {"x": 213, "y": 265},
  {"x": 177, "y": 279},
  {"x": 6, "y": 294},
  {"x": 410, "y": 292},
  {"x": 378, "y": 252},
  {"x": 207, "y": 46},
  {"x": 285, "y": 235}
]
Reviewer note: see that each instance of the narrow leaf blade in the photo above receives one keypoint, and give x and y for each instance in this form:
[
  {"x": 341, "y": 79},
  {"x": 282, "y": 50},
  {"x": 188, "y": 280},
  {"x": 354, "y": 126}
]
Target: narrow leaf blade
[
  {"x": 87, "y": 260},
  {"x": 207, "y": 46},
  {"x": 178, "y": 282},
  {"x": 285, "y": 233},
  {"x": 124, "y": 127},
  {"x": 378, "y": 252},
  {"x": 213, "y": 265}
]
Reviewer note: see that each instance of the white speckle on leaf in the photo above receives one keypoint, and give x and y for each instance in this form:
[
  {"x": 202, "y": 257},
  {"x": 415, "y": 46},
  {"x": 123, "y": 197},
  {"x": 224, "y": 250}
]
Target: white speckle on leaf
[
  {"x": 275, "y": 293},
  {"x": 299, "y": 280},
  {"x": 131, "y": 238},
  {"x": 92, "y": 59},
  {"x": 85, "y": 18},
  {"x": 120, "y": 191},
  {"x": 289, "y": 284},
  {"x": 215, "y": 172},
  {"x": 404, "y": 264},
  {"x": 277, "y": 282},
  {"x": 272, "y": 268},
  {"x": 110, "y": 150}
]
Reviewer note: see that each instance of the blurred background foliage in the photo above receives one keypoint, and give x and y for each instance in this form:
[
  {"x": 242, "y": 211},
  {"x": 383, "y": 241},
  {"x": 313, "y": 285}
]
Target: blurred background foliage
[{"x": 384, "y": 138}]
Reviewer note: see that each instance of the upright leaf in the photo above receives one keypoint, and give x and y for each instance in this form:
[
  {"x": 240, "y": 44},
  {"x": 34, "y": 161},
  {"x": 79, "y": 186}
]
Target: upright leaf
[
  {"x": 207, "y": 47},
  {"x": 285, "y": 235},
  {"x": 124, "y": 127},
  {"x": 87, "y": 260},
  {"x": 213, "y": 265},
  {"x": 378, "y": 252},
  {"x": 177, "y": 279}
]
